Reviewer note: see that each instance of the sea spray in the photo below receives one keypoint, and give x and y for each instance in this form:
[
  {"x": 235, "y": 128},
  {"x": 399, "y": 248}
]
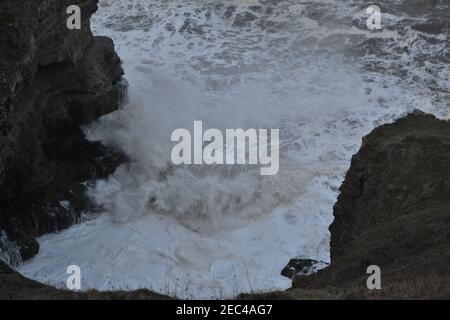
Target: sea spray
[{"x": 313, "y": 70}]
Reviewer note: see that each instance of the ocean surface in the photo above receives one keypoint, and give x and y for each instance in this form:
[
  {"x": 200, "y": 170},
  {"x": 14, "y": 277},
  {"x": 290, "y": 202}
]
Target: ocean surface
[{"x": 309, "y": 68}]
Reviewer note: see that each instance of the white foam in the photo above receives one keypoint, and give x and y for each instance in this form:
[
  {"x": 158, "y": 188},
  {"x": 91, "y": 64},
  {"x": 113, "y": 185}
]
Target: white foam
[{"x": 217, "y": 231}]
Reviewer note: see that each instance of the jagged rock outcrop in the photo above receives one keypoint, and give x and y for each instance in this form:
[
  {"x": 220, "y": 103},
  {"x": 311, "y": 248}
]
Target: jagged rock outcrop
[
  {"x": 394, "y": 210},
  {"x": 52, "y": 80}
]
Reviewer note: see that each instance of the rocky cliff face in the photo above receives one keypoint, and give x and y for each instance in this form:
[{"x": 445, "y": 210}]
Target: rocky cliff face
[
  {"x": 394, "y": 207},
  {"x": 52, "y": 80},
  {"x": 394, "y": 211}
]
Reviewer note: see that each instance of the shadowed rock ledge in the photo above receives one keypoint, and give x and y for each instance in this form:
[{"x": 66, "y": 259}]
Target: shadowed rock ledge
[{"x": 52, "y": 80}]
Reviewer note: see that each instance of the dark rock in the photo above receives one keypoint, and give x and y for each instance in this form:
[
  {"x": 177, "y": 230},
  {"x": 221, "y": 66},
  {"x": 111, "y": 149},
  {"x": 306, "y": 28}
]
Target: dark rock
[
  {"x": 51, "y": 81},
  {"x": 394, "y": 207},
  {"x": 5, "y": 268},
  {"x": 301, "y": 267}
]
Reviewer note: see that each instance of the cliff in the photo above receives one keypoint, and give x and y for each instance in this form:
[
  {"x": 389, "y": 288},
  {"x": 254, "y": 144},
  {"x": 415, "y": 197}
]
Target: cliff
[
  {"x": 394, "y": 206},
  {"x": 52, "y": 80},
  {"x": 393, "y": 211}
]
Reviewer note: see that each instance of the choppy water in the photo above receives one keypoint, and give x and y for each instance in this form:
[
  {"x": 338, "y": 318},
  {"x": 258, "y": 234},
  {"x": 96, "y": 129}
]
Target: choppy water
[{"x": 311, "y": 69}]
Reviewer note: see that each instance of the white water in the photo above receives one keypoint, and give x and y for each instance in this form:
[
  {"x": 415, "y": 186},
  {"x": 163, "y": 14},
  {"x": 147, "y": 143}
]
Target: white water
[{"x": 214, "y": 232}]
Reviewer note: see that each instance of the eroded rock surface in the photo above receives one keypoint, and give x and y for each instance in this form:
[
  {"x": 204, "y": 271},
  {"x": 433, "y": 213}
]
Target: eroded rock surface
[
  {"x": 394, "y": 208},
  {"x": 52, "y": 80}
]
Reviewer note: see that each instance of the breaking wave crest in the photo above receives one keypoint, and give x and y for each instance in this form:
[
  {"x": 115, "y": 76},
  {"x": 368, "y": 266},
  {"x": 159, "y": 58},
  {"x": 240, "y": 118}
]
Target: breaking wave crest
[{"x": 310, "y": 69}]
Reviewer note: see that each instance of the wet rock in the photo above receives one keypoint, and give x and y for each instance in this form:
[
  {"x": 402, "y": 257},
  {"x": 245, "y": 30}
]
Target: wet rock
[
  {"x": 51, "y": 81},
  {"x": 302, "y": 267}
]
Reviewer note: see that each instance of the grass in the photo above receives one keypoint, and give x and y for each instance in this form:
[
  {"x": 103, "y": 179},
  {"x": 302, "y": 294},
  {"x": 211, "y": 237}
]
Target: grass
[
  {"x": 15, "y": 286},
  {"x": 416, "y": 288}
]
